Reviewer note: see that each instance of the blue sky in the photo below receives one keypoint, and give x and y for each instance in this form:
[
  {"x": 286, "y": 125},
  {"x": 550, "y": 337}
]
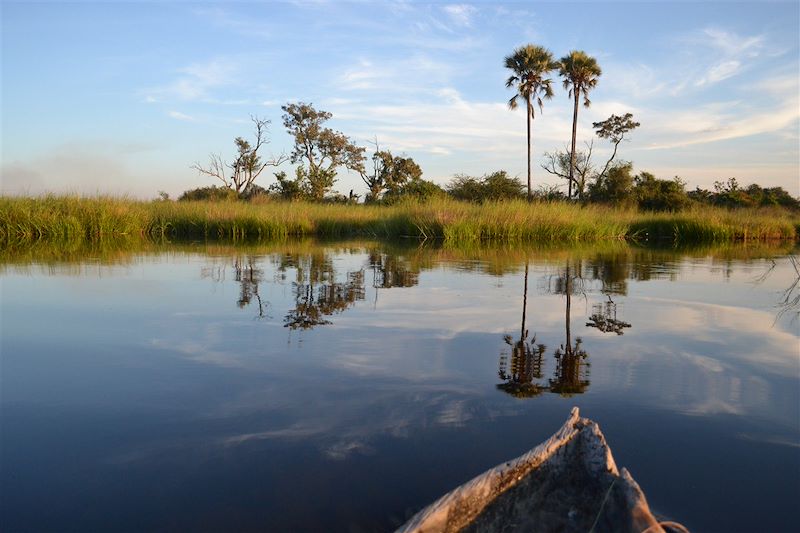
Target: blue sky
[{"x": 125, "y": 97}]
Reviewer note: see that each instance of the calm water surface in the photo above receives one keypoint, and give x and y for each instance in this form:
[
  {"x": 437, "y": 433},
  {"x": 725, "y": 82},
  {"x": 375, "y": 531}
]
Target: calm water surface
[{"x": 341, "y": 387}]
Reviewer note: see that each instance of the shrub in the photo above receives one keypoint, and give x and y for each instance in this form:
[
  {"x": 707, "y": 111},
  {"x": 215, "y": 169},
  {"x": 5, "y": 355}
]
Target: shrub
[
  {"x": 495, "y": 186},
  {"x": 210, "y": 193},
  {"x": 418, "y": 189},
  {"x": 660, "y": 195}
]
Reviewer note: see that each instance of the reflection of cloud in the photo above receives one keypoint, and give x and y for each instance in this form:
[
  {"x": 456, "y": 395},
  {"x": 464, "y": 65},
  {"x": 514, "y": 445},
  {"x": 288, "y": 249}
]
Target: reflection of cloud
[
  {"x": 203, "y": 349},
  {"x": 454, "y": 413},
  {"x": 343, "y": 449},
  {"x": 776, "y": 351},
  {"x": 771, "y": 439},
  {"x": 294, "y": 432}
]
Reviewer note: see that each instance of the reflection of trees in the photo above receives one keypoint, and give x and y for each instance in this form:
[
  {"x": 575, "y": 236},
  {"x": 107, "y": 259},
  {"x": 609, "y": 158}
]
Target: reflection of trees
[
  {"x": 571, "y": 360},
  {"x": 571, "y": 373},
  {"x": 572, "y": 369},
  {"x": 389, "y": 270},
  {"x": 604, "y": 318},
  {"x": 317, "y": 294},
  {"x": 790, "y": 298},
  {"x": 249, "y": 276},
  {"x": 526, "y": 358},
  {"x": 245, "y": 272},
  {"x": 789, "y": 302}
]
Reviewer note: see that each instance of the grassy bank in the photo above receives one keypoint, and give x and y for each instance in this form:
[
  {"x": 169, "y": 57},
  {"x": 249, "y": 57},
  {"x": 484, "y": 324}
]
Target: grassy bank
[{"x": 100, "y": 218}]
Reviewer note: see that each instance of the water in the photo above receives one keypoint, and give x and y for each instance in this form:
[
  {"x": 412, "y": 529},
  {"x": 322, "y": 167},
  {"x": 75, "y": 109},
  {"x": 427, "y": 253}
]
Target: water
[{"x": 343, "y": 386}]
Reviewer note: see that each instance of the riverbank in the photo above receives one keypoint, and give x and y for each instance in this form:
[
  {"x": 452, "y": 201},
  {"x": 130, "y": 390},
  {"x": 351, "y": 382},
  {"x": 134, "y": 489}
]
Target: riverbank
[{"x": 100, "y": 218}]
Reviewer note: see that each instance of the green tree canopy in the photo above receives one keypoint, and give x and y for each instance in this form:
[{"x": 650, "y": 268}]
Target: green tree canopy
[
  {"x": 319, "y": 150},
  {"x": 389, "y": 173}
]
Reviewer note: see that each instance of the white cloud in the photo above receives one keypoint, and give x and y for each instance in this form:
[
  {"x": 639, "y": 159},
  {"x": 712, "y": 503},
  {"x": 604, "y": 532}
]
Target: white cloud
[
  {"x": 719, "y": 72},
  {"x": 710, "y": 123},
  {"x": 460, "y": 14},
  {"x": 731, "y": 44},
  {"x": 196, "y": 81},
  {"x": 177, "y": 115}
]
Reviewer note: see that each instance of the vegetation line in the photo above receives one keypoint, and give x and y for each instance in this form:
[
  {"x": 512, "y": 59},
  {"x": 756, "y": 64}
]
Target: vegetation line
[{"x": 72, "y": 217}]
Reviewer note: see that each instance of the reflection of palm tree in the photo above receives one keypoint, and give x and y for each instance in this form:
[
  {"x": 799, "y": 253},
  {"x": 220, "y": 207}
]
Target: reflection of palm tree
[
  {"x": 526, "y": 358},
  {"x": 572, "y": 369},
  {"x": 571, "y": 372},
  {"x": 571, "y": 360}
]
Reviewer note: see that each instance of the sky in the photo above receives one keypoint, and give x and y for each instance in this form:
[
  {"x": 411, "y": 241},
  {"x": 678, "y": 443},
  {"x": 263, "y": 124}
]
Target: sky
[{"x": 124, "y": 97}]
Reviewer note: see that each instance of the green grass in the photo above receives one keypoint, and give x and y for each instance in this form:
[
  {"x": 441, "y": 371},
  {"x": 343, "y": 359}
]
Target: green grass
[{"x": 102, "y": 218}]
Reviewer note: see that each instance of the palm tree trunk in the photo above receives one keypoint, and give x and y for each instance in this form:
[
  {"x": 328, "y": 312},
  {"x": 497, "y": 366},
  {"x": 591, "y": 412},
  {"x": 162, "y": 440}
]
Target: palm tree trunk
[
  {"x": 524, "y": 302},
  {"x": 576, "y": 91},
  {"x": 530, "y": 197},
  {"x": 568, "y": 286}
]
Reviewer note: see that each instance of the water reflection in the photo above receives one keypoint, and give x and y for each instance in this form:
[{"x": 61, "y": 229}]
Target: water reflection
[
  {"x": 317, "y": 293},
  {"x": 192, "y": 389},
  {"x": 604, "y": 318},
  {"x": 571, "y": 373},
  {"x": 525, "y": 364},
  {"x": 248, "y": 275}
]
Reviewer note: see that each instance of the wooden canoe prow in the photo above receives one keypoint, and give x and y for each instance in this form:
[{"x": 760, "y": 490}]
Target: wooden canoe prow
[{"x": 568, "y": 483}]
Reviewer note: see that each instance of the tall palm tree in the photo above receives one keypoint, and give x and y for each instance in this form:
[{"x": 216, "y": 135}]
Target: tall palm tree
[
  {"x": 580, "y": 72},
  {"x": 530, "y": 65}
]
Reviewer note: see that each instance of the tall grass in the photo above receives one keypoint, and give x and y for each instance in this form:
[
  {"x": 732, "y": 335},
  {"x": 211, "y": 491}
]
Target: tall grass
[{"x": 102, "y": 218}]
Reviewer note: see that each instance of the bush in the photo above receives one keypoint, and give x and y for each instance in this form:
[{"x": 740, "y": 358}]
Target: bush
[
  {"x": 418, "y": 189},
  {"x": 491, "y": 187},
  {"x": 660, "y": 195},
  {"x": 210, "y": 193},
  {"x": 616, "y": 187},
  {"x": 731, "y": 194}
]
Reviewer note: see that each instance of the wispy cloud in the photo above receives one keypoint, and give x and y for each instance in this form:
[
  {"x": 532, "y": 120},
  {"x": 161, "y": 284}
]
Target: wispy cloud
[
  {"x": 720, "y": 71},
  {"x": 460, "y": 14},
  {"x": 731, "y": 44},
  {"x": 177, "y": 115},
  {"x": 196, "y": 81},
  {"x": 719, "y": 54},
  {"x": 413, "y": 74},
  {"x": 727, "y": 120}
]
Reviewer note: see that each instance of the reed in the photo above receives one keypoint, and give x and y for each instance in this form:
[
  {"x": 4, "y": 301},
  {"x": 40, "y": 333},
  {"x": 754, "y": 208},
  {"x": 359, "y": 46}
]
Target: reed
[{"x": 100, "y": 218}]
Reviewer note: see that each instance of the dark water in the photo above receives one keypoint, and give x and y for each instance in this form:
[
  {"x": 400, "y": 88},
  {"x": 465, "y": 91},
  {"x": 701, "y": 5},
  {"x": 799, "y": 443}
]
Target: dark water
[{"x": 342, "y": 387}]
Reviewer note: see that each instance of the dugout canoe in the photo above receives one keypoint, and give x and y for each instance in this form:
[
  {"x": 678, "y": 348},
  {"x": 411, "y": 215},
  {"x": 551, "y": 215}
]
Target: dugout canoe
[{"x": 570, "y": 482}]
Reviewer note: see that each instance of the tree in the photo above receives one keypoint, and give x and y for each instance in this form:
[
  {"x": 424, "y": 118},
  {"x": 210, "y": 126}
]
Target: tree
[
  {"x": 389, "y": 173},
  {"x": 615, "y": 187},
  {"x": 578, "y": 170},
  {"x": 580, "y": 72},
  {"x": 660, "y": 195},
  {"x": 288, "y": 189},
  {"x": 320, "y": 150},
  {"x": 530, "y": 65},
  {"x": 614, "y": 129},
  {"x": 575, "y": 167},
  {"x": 248, "y": 165}
]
